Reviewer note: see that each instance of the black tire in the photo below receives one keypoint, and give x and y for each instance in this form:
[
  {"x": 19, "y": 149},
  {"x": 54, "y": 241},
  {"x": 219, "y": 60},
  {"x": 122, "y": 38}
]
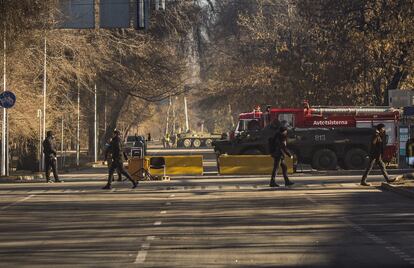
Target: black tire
[
  {"x": 356, "y": 158},
  {"x": 324, "y": 159},
  {"x": 253, "y": 151}
]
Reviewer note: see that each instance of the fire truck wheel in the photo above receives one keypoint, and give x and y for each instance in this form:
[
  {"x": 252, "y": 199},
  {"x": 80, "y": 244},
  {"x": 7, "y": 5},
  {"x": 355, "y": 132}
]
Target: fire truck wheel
[
  {"x": 187, "y": 143},
  {"x": 196, "y": 143},
  {"x": 356, "y": 158},
  {"x": 208, "y": 142},
  {"x": 324, "y": 159}
]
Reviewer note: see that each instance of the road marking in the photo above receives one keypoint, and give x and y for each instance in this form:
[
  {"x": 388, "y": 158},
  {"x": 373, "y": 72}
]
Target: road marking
[
  {"x": 163, "y": 212},
  {"x": 141, "y": 256},
  {"x": 146, "y": 245},
  {"x": 311, "y": 200},
  {"x": 142, "y": 253},
  {"x": 17, "y": 202},
  {"x": 157, "y": 223},
  {"x": 168, "y": 204},
  {"x": 376, "y": 239},
  {"x": 373, "y": 237}
]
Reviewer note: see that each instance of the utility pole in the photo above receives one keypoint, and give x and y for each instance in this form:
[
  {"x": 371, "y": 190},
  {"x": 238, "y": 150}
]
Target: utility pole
[
  {"x": 78, "y": 129},
  {"x": 62, "y": 144},
  {"x": 187, "y": 128},
  {"x": 44, "y": 91},
  {"x": 173, "y": 115},
  {"x": 3, "y": 126},
  {"x": 95, "y": 125},
  {"x": 105, "y": 112},
  {"x": 168, "y": 118},
  {"x": 39, "y": 115}
]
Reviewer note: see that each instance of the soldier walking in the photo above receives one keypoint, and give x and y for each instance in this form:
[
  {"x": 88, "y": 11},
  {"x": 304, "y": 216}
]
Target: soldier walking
[
  {"x": 278, "y": 150},
  {"x": 108, "y": 157},
  {"x": 118, "y": 155},
  {"x": 50, "y": 155},
  {"x": 377, "y": 150}
]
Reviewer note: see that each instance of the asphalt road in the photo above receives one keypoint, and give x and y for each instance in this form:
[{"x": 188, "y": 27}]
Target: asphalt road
[{"x": 240, "y": 222}]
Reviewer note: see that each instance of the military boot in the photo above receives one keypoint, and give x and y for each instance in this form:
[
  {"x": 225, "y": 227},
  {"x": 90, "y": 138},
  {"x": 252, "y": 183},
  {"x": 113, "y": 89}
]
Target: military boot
[
  {"x": 273, "y": 183},
  {"x": 364, "y": 182},
  {"x": 288, "y": 182}
]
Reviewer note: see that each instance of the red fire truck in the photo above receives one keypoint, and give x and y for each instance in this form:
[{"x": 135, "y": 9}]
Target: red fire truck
[
  {"x": 343, "y": 120},
  {"x": 327, "y": 117}
]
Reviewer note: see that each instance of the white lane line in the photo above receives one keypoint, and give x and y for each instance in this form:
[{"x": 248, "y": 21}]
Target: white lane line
[
  {"x": 146, "y": 246},
  {"x": 142, "y": 254},
  {"x": 311, "y": 200},
  {"x": 17, "y": 202},
  {"x": 378, "y": 240},
  {"x": 157, "y": 223},
  {"x": 163, "y": 212},
  {"x": 168, "y": 204}
]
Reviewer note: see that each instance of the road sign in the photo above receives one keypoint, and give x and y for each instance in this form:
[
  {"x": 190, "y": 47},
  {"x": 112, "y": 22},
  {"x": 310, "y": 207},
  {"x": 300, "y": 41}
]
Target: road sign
[{"x": 7, "y": 99}]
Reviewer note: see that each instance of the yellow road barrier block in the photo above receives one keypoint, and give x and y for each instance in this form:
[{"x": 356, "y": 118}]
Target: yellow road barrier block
[
  {"x": 249, "y": 165},
  {"x": 174, "y": 165}
]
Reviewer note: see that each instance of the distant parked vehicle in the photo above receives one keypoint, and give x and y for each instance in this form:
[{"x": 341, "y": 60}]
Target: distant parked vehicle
[{"x": 135, "y": 141}]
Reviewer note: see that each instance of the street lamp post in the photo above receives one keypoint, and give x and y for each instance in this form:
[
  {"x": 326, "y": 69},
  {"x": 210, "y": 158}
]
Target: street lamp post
[
  {"x": 44, "y": 89},
  {"x": 95, "y": 133},
  {"x": 39, "y": 115},
  {"x": 78, "y": 129},
  {"x": 3, "y": 126},
  {"x": 62, "y": 145}
]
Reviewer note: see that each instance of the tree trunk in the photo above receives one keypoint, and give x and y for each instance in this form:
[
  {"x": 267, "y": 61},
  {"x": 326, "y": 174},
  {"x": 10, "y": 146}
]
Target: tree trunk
[{"x": 113, "y": 116}]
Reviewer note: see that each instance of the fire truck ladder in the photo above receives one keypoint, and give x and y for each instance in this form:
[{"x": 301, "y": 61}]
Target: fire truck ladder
[{"x": 352, "y": 110}]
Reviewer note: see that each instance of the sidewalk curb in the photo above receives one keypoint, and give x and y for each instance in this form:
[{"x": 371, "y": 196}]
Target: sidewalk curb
[
  {"x": 22, "y": 179},
  {"x": 358, "y": 172},
  {"x": 389, "y": 187}
]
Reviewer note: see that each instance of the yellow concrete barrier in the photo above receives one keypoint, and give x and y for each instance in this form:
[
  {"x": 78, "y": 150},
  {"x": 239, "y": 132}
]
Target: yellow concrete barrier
[
  {"x": 174, "y": 165},
  {"x": 249, "y": 165}
]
